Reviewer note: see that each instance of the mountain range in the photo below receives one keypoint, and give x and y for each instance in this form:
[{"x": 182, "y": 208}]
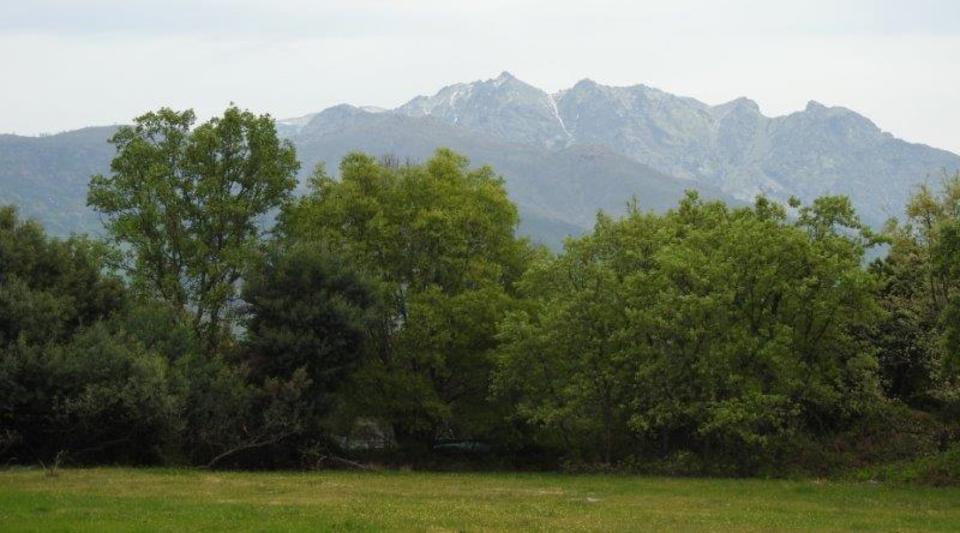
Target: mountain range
[{"x": 563, "y": 156}]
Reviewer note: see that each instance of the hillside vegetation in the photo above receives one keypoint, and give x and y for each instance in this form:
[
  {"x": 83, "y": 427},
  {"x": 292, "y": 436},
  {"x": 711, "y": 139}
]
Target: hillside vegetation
[{"x": 394, "y": 315}]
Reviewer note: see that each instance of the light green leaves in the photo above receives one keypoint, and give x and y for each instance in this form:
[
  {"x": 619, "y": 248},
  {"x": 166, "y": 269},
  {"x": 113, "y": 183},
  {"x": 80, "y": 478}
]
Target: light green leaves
[{"x": 184, "y": 205}]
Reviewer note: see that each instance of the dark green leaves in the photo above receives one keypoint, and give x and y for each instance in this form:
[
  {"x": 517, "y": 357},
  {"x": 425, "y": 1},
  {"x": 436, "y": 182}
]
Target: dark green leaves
[{"x": 707, "y": 330}]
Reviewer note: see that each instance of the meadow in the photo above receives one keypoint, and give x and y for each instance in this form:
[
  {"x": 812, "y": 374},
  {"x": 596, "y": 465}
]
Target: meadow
[{"x": 105, "y": 499}]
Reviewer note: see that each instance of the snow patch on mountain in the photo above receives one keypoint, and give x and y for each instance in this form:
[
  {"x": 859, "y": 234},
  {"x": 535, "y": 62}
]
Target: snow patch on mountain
[{"x": 556, "y": 113}]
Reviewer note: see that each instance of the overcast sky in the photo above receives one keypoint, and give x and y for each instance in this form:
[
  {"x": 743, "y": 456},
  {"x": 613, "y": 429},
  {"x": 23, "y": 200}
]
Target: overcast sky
[{"x": 72, "y": 63}]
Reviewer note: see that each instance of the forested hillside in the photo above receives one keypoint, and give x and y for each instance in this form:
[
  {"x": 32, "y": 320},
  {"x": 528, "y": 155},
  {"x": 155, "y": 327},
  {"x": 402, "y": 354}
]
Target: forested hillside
[{"x": 47, "y": 177}]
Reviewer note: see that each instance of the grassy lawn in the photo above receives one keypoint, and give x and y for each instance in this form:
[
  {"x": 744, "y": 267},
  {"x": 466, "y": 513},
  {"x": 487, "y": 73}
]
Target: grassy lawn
[{"x": 187, "y": 500}]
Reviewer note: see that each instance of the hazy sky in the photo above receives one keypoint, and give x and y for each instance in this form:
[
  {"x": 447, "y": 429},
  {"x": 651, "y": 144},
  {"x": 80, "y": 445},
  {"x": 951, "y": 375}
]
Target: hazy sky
[{"x": 72, "y": 63}]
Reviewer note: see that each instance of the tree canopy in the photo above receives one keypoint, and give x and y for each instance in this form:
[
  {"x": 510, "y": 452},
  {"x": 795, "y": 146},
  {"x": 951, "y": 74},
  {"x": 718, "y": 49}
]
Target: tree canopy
[
  {"x": 226, "y": 323},
  {"x": 439, "y": 239},
  {"x": 184, "y": 203},
  {"x": 723, "y": 332}
]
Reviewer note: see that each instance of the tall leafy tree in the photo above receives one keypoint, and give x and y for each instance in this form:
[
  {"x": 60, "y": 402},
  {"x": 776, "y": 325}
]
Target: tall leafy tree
[
  {"x": 919, "y": 290},
  {"x": 950, "y": 263},
  {"x": 184, "y": 204},
  {"x": 947, "y": 265},
  {"x": 439, "y": 239}
]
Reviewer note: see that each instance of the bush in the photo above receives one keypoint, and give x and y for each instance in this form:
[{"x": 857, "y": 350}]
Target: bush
[
  {"x": 939, "y": 469},
  {"x": 99, "y": 396}
]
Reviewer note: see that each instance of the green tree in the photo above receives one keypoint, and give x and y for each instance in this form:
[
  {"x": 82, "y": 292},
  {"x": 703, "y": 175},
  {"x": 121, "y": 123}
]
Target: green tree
[
  {"x": 230, "y": 416},
  {"x": 439, "y": 240},
  {"x": 919, "y": 287},
  {"x": 308, "y": 309},
  {"x": 49, "y": 288},
  {"x": 100, "y": 396},
  {"x": 725, "y": 333},
  {"x": 184, "y": 205},
  {"x": 69, "y": 380},
  {"x": 947, "y": 266}
]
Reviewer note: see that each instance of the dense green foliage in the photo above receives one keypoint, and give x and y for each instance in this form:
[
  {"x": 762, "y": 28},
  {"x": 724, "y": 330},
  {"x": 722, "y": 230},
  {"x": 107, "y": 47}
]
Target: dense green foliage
[
  {"x": 727, "y": 333},
  {"x": 90, "y": 370},
  {"x": 184, "y": 203},
  {"x": 68, "y": 379},
  {"x": 308, "y": 310},
  {"x": 440, "y": 242},
  {"x": 919, "y": 353},
  {"x": 394, "y": 312}
]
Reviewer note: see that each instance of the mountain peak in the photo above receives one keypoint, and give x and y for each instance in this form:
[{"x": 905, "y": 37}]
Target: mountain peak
[
  {"x": 746, "y": 103},
  {"x": 585, "y": 83},
  {"x": 341, "y": 109},
  {"x": 504, "y": 107},
  {"x": 737, "y": 105},
  {"x": 568, "y": 154},
  {"x": 818, "y": 109},
  {"x": 506, "y": 80}
]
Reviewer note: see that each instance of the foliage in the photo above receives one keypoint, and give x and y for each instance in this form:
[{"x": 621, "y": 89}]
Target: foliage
[
  {"x": 184, "y": 205},
  {"x": 88, "y": 373},
  {"x": 721, "y": 332},
  {"x": 100, "y": 395},
  {"x": 228, "y": 413},
  {"x": 947, "y": 265},
  {"x": 50, "y": 288},
  {"x": 920, "y": 292},
  {"x": 708, "y": 339},
  {"x": 68, "y": 381},
  {"x": 938, "y": 469},
  {"x": 439, "y": 240},
  {"x": 307, "y": 309}
]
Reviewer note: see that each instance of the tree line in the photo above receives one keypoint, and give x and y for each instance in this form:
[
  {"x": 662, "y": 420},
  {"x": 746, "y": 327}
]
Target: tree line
[{"x": 227, "y": 322}]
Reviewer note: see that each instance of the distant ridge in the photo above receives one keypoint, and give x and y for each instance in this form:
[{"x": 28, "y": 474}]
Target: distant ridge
[
  {"x": 733, "y": 146},
  {"x": 564, "y": 156}
]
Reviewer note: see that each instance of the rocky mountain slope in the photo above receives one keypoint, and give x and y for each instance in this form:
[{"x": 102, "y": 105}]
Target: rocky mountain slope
[
  {"x": 557, "y": 191},
  {"x": 563, "y": 156},
  {"x": 733, "y": 146}
]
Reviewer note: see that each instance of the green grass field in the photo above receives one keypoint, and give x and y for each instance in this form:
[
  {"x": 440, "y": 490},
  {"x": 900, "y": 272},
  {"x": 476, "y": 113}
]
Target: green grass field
[{"x": 188, "y": 500}]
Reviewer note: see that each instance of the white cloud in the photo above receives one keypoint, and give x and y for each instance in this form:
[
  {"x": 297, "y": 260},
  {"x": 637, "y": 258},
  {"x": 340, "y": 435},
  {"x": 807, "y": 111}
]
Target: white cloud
[{"x": 68, "y": 65}]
